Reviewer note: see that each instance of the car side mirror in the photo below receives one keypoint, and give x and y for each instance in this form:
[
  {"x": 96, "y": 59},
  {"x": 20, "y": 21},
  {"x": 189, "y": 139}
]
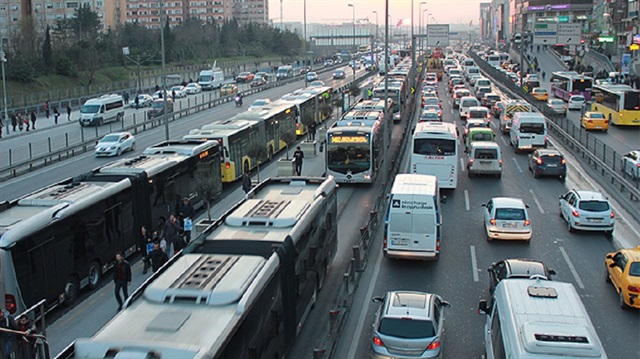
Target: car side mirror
[
  {"x": 609, "y": 256},
  {"x": 483, "y": 308},
  {"x": 552, "y": 272},
  {"x": 445, "y": 304},
  {"x": 484, "y": 205},
  {"x": 377, "y": 299},
  {"x": 527, "y": 206},
  {"x": 612, "y": 265}
]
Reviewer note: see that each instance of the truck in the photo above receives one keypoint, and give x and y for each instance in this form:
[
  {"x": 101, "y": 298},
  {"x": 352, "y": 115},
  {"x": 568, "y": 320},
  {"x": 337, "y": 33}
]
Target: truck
[
  {"x": 211, "y": 78},
  {"x": 434, "y": 64},
  {"x": 508, "y": 109}
]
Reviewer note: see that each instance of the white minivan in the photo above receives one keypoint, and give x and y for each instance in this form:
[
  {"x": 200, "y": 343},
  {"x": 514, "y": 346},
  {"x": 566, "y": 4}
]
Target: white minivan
[
  {"x": 413, "y": 225},
  {"x": 484, "y": 158},
  {"x": 471, "y": 71},
  {"x": 528, "y": 131},
  {"x": 105, "y": 108},
  {"x": 535, "y": 318},
  {"x": 465, "y": 104}
]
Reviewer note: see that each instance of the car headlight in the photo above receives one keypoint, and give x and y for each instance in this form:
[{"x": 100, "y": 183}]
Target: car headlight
[{"x": 113, "y": 147}]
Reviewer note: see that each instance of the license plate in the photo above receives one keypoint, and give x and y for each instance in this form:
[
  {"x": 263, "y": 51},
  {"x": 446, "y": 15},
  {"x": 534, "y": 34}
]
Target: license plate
[
  {"x": 595, "y": 220},
  {"x": 399, "y": 242},
  {"x": 509, "y": 225},
  {"x": 485, "y": 162},
  {"x": 552, "y": 165},
  {"x": 526, "y": 146}
]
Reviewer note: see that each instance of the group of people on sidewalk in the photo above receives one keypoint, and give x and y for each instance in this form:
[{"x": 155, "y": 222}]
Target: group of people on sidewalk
[
  {"x": 17, "y": 345},
  {"x": 170, "y": 237},
  {"x": 27, "y": 121}
]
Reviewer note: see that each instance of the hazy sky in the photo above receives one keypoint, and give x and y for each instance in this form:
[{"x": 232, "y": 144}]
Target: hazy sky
[{"x": 337, "y": 11}]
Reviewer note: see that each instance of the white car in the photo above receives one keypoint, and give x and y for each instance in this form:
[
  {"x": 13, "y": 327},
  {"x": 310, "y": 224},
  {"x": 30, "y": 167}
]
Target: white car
[
  {"x": 507, "y": 218},
  {"x": 631, "y": 164},
  {"x": 144, "y": 100},
  {"x": 193, "y": 88},
  {"x": 316, "y": 84},
  {"x": 158, "y": 94},
  {"x": 180, "y": 91},
  {"x": 114, "y": 144},
  {"x": 259, "y": 103},
  {"x": 587, "y": 211},
  {"x": 576, "y": 102},
  {"x": 311, "y": 76}
]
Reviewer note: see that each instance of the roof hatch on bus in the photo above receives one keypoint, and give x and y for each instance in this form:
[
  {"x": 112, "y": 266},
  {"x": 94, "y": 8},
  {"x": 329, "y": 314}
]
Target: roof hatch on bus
[{"x": 267, "y": 213}]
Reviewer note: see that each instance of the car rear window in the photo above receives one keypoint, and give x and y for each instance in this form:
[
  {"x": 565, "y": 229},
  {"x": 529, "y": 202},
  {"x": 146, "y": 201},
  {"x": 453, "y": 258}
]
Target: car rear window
[
  {"x": 477, "y": 114},
  {"x": 552, "y": 159},
  {"x": 512, "y": 214},
  {"x": 469, "y": 103},
  {"x": 634, "y": 269},
  {"x": 594, "y": 206},
  {"x": 481, "y": 136},
  {"x": 407, "y": 328},
  {"x": 486, "y": 154}
]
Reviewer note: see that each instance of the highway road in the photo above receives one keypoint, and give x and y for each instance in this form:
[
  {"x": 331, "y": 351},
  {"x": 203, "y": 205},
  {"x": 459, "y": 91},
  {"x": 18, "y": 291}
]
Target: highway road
[
  {"x": 35, "y": 180},
  {"x": 460, "y": 275}
]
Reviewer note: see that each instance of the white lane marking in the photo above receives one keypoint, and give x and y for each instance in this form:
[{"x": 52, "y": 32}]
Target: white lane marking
[
  {"x": 517, "y": 165},
  {"x": 474, "y": 264},
  {"x": 365, "y": 308},
  {"x": 467, "y": 206},
  {"x": 572, "y": 268},
  {"x": 535, "y": 199},
  {"x": 504, "y": 142},
  {"x": 462, "y": 166},
  {"x": 451, "y": 110}
]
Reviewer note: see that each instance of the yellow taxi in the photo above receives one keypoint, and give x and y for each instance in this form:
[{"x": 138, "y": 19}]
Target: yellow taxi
[
  {"x": 623, "y": 271},
  {"x": 228, "y": 89},
  {"x": 594, "y": 121},
  {"x": 540, "y": 94}
]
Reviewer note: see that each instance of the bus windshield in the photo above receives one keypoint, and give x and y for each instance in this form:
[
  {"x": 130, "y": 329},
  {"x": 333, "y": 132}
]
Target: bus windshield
[
  {"x": 434, "y": 147},
  {"x": 349, "y": 157}
]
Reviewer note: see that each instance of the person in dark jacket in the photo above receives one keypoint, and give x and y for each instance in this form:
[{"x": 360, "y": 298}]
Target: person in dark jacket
[
  {"x": 7, "y": 340},
  {"x": 121, "y": 278},
  {"x": 145, "y": 246},
  {"x": 157, "y": 256},
  {"x": 246, "y": 183},
  {"x": 171, "y": 231},
  {"x": 26, "y": 342},
  {"x": 33, "y": 120},
  {"x": 187, "y": 214}
]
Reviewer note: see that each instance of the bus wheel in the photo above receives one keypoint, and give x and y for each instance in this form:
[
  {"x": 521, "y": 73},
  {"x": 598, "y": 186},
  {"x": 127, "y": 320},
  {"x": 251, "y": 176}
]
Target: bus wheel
[
  {"x": 95, "y": 275},
  {"x": 71, "y": 290}
]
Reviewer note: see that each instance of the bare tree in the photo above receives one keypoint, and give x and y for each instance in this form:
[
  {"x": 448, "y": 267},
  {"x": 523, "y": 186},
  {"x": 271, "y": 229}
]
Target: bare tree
[{"x": 257, "y": 153}]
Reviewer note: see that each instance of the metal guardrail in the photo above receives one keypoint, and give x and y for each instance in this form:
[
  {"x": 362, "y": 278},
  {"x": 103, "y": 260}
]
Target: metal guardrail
[
  {"x": 70, "y": 149},
  {"x": 601, "y": 59},
  {"x": 595, "y": 152}
]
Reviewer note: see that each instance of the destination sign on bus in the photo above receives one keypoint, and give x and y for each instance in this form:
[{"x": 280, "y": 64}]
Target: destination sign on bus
[{"x": 349, "y": 139}]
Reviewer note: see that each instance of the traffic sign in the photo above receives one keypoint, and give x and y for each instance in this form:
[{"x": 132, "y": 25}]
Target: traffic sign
[
  {"x": 545, "y": 33},
  {"x": 438, "y": 35},
  {"x": 569, "y": 34}
]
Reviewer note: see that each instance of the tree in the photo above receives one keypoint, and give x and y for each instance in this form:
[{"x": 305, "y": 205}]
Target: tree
[
  {"x": 337, "y": 102},
  {"x": 207, "y": 191},
  {"x": 47, "y": 53},
  {"x": 287, "y": 136},
  {"x": 354, "y": 89},
  {"x": 257, "y": 153}
]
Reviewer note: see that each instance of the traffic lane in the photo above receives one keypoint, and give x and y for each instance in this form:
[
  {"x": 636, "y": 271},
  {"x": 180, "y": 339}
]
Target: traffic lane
[
  {"x": 33, "y": 181},
  {"x": 621, "y": 139}
]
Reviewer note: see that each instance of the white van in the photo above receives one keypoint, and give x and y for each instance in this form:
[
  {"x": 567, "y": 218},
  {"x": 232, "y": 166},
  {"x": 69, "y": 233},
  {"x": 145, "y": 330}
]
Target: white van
[
  {"x": 211, "y": 79},
  {"x": 468, "y": 62},
  {"x": 528, "y": 131},
  {"x": 105, "y": 108},
  {"x": 466, "y": 103},
  {"x": 413, "y": 224},
  {"x": 534, "y": 318},
  {"x": 471, "y": 71},
  {"x": 484, "y": 158},
  {"x": 482, "y": 82}
]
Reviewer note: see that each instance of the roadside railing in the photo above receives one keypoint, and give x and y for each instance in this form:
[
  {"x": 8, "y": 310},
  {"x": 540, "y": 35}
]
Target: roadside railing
[
  {"x": 594, "y": 152},
  {"x": 32, "y": 156},
  {"x": 29, "y": 339}
]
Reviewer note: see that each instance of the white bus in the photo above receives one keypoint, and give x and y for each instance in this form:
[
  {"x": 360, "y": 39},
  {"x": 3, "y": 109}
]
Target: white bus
[
  {"x": 242, "y": 289},
  {"x": 434, "y": 151},
  {"x": 354, "y": 151},
  {"x": 493, "y": 60},
  {"x": 105, "y": 108}
]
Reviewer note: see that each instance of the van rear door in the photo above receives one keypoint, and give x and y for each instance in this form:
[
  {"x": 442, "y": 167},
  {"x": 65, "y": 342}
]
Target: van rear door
[{"x": 412, "y": 230}]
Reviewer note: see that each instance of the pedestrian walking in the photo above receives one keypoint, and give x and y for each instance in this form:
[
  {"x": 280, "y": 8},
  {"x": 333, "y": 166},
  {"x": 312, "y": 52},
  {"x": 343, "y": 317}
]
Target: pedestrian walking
[
  {"x": 7, "y": 340},
  {"x": 20, "y": 123},
  {"x": 33, "y": 119},
  {"x": 137, "y": 101},
  {"x": 25, "y": 121},
  {"x": 145, "y": 247},
  {"x": 171, "y": 232},
  {"x": 1, "y": 125},
  {"x": 543, "y": 75},
  {"x": 121, "y": 278},
  {"x": 125, "y": 97},
  {"x": 56, "y": 114},
  {"x": 187, "y": 213},
  {"x": 157, "y": 88},
  {"x": 14, "y": 121},
  {"x": 68, "y": 112},
  {"x": 246, "y": 183},
  {"x": 46, "y": 109},
  {"x": 298, "y": 155},
  {"x": 157, "y": 256},
  {"x": 173, "y": 95}
]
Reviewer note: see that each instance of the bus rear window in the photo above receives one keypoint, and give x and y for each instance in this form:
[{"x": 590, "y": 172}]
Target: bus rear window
[
  {"x": 632, "y": 100},
  {"x": 434, "y": 147}
]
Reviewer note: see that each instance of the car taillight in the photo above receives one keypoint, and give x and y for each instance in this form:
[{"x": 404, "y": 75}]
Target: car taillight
[
  {"x": 227, "y": 165},
  {"x": 500, "y": 163},
  {"x": 470, "y": 161},
  {"x": 297, "y": 125},
  {"x": 575, "y": 213},
  {"x": 377, "y": 341},
  {"x": 492, "y": 222},
  {"x": 434, "y": 345},
  {"x": 539, "y": 161},
  {"x": 563, "y": 161},
  {"x": 10, "y": 303},
  {"x": 612, "y": 215},
  {"x": 527, "y": 222},
  {"x": 638, "y": 165},
  {"x": 634, "y": 289}
]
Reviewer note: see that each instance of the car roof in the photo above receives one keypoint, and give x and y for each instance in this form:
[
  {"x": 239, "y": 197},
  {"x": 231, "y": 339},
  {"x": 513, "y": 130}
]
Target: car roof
[
  {"x": 524, "y": 266},
  {"x": 590, "y": 195},
  {"x": 508, "y": 202},
  {"x": 632, "y": 253},
  {"x": 407, "y": 303},
  {"x": 487, "y": 144},
  {"x": 549, "y": 151},
  {"x": 478, "y": 108}
]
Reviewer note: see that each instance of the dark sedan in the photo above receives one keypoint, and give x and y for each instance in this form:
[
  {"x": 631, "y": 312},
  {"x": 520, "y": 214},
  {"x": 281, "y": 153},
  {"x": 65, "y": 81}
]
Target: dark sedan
[
  {"x": 547, "y": 162},
  {"x": 339, "y": 74},
  {"x": 517, "y": 268},
  {"x": 257, "y": 81}
]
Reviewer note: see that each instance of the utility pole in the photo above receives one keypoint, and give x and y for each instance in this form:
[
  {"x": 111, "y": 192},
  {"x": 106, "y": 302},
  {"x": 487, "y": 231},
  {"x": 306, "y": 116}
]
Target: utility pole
[
  {"x": 3, "y": 59},
  {"x": 164, "y": 75}
]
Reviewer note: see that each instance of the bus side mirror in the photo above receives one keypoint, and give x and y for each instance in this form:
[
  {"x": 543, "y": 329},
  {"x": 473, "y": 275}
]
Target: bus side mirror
[{"x": 482, "y": 307}]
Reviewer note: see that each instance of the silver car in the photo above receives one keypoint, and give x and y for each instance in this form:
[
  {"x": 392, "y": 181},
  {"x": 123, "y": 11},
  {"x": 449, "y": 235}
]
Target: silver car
[
  {"x": 144, "y": 100},
  {"x": 576, "y": 102},
  {"x": 557, "y": 106},
  {"x": 408, "y": 325},
  {"x": 114, "y": 144}
]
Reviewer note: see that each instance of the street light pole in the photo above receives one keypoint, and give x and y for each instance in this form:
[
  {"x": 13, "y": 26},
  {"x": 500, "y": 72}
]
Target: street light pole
[
  {"x": 164, "y": 76},
  {"x": 376, "y": 38},
  {"x": 420, "y": 13},
  {"x": 354, "y": 37},
  {"x": 304, "y": 26},
  {"x": 3, "y": 59}
]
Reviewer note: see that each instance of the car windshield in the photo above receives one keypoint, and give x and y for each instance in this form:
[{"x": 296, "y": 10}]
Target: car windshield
[
  {"x": 191, "y": 85},
  {"x": 157, "y": 104},
  {"x": 90, "y": 109},
  {"x": 259, "y": 103},
  {"x": 407, "y": 328},
  {"x": 597, "y": 115},
  {"x": 594, "y": 206},
  {"x": 110, "y": 138},
  {"x": 634, "y": 269},
  {"x": 513, "y": 214}
]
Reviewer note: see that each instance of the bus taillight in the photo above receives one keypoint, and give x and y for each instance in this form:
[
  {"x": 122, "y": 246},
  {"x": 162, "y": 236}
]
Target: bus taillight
[
  {"x": 10, "y": 303},
  {"x": 227, "y": 165}
]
